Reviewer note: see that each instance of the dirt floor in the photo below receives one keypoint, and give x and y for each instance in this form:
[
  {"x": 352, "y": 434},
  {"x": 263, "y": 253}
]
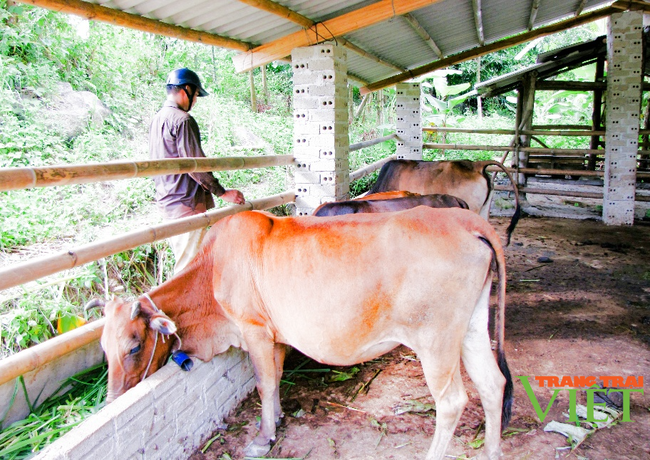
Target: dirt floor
[{"x": 578, "y": 305}]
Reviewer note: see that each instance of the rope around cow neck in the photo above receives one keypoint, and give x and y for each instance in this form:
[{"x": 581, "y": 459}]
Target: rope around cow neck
[{"x": 155, "y": 343}]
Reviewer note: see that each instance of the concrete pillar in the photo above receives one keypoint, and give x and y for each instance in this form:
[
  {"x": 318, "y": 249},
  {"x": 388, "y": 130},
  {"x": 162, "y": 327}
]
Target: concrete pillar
[
  {"x": 624, "y": 76},
  {"x": 408, "y": 123},
  {"x": 320, "y": 133}
]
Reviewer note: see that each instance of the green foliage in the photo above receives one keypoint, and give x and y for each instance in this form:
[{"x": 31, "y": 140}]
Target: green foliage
[{"x": 126, "y": 70}]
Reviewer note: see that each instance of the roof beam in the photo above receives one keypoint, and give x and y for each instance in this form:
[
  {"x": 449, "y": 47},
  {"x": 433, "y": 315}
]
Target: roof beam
[
  {"x": 116, "y": 17},
  {"x": 280, "y": 10},
  {"x": 335, "y": 27},
  {"x": 533, "y": 13},
  {"x": 352, "y": 47},
  {"x": 478, "y": 20},
  {"x": 581, "y": 7},
  {"x": 415, "y": 24},
  {"x": 492, "y": 47}
]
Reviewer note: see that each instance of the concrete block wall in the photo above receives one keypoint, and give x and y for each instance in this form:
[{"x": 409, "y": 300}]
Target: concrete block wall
[
  {"x": 321, "y": 143},
  {"x": 624, "y": 78},
  {"x": 168, "y": 416},
  {"x": 408, "y": 123}
]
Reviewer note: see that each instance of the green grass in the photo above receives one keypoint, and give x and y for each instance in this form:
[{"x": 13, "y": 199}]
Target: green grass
[{"x": 78, "y": 397}]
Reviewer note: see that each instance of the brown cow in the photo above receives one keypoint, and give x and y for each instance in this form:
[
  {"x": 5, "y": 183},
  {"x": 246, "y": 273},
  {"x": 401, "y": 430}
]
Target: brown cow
[
  {"x": 462, "y": 178},
  {"x": 262, "y": 282},
  {"x": 372, "y": 203}
]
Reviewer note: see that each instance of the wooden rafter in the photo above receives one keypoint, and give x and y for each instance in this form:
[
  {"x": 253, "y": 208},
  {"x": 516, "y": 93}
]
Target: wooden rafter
[
  {"x": 132, "y": 21},
  {"x": 533, "y": 13},
  {"x": 478, "y": 20},
  {"x": 415, "y": 24},
  {"x": 632, "y": 5},
  {"x": 581, "y": 7},
  {"x": 280, "y": 10},
  {"x": 335, "y": 27},
  {"x": 352, "y": 47},
  {"x": 492, "y": 47}
]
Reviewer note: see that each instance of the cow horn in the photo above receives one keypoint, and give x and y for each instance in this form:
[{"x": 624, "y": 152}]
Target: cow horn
[
  {"x": 135, "y": 310},
  {"x": 95, "y": 303}
]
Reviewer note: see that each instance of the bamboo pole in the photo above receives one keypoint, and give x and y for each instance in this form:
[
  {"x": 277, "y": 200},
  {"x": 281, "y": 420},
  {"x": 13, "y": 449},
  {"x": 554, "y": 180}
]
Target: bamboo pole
[
  {"x": 504, "y": 148},
  {"x": 566, "y": 172},
  {"x": 580, "y": 127},
  {"x": 362, "y": 172},
  {"x": 30, "y": 270},
  {"x": 18, "y": 178},
  {"x": 511, "y": 132},
  {"x": 43, "y": 353},
  {"x": 364, "y": 144},
  {"x": 95, "y": 12}
]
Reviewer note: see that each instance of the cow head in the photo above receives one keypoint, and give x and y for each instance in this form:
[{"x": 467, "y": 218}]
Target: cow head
[{"x": 129, "y": 342}]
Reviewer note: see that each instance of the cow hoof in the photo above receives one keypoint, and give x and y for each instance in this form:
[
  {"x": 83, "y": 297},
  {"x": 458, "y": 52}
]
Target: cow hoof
[
  {"x": 278, "y": 422},
  {"x": 256, "y": 450}
]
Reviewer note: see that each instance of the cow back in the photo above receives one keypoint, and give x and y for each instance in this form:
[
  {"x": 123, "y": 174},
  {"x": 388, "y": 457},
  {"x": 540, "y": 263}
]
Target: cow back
[
  {"x": 463, "y": 179},
  {"x": 346, "y": 289}
]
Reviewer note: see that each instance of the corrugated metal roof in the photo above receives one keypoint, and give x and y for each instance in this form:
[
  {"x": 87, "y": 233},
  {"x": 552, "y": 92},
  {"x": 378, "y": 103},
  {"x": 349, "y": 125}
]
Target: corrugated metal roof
[{"x": 450, "y": 24}]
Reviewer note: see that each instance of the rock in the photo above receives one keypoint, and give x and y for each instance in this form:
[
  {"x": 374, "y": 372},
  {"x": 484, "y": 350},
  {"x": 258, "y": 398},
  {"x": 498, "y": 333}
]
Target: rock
[{"x": 71, "y": 111}]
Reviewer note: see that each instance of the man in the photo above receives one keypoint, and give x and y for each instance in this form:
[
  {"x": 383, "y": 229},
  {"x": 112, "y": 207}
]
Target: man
[{"x": 175, "y": 134}]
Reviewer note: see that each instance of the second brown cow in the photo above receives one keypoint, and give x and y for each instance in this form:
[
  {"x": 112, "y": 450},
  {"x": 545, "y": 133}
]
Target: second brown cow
[{"x": 467, "y": 180}]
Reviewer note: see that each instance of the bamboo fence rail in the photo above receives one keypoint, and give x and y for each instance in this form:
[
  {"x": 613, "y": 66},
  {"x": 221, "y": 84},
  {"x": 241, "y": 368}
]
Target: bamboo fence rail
[
  {"x": 506, "y": 148},
  {"x": 364, "y": 144},
  {"x": 359, "y": 173},
  {"x": 30, "y": 270},
  {"x": 512, "y": 132},
  {"x": 572, "y": 193},
  {"x": 19, "y": 178},
  {"x": 32, "y": 358}
]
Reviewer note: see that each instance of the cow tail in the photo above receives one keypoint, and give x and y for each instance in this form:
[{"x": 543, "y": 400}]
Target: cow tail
[
  {"x": 499, "y": 330},
  {"x": 517, "y": 215}
]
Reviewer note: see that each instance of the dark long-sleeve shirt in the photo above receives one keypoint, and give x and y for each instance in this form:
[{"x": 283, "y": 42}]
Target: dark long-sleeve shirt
[{"x": 175, "y": 134}]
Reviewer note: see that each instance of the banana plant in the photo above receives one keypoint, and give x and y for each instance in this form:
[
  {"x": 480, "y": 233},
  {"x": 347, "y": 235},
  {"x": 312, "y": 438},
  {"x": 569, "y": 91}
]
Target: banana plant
[{"x": 441, "y": 107}]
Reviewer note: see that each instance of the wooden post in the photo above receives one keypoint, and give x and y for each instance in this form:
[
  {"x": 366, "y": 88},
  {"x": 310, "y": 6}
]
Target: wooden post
[
  {"x": 596, "y": 117},
  {"x": 479, "y": 99},
  {"x": 265, "y": 88},
  {"x": 253, "y": 95},
  {"x": 527, "y": 101}
]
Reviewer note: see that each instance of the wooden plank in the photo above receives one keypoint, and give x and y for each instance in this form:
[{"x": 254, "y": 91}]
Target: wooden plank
[
  {"x": 119, "y": 18},
  {"x": 492, "y": 47},
  {"x": 335, "y": 27}
]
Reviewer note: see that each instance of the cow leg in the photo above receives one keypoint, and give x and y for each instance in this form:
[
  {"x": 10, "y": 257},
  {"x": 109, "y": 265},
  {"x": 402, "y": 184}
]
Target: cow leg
[
  {"x": 262, "y": 352},
  {"x": 447, "y": 389},
  {"x": 280, "y": 352},
  {"x": 483, "y": 370}
]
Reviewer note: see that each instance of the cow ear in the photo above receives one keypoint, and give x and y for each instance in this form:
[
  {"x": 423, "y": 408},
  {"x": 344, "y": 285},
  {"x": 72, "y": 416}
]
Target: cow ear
[
  {"x": 135, "y": 310},
  {"x": 163, "y": 325}
]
